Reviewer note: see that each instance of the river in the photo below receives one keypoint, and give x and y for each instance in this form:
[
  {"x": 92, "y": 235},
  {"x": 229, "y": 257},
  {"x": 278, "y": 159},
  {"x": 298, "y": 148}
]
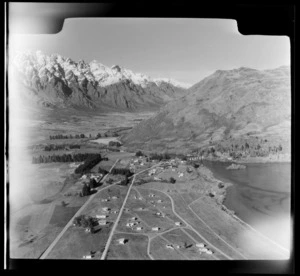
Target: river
[{"x": 260, "y": 195}]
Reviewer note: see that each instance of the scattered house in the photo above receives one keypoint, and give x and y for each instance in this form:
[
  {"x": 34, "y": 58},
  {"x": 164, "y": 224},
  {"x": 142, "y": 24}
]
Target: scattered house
[
  {"x": 130, "y": 224},
  {"x": 159, "y": 201},
  {"x": 114, "y": 197},
  {"x": 140, "y": 198},
  {"x": 115, "y": 212},
  {"x": 87, "y": 257},
  {"x": 101, "y": 216},
  {"x": 139, "y": 228},
  {"x": 83, "y": 177},
  {"x": 102, "y": 222},
  {"x": 158, "y": 214},
  {"x": 180, "y": 174},
  {"x": 155, "y": 228},
  {"x": 88, "y": 230},
  {"x": 200, "y": 245},
  {"x": 177, "y": 246},
  {"x": 209, "y": 252},
  {"x": 122, "y": 241},
  {"x": 106, "y": 209},
  {"x": 157, "y": 178},
  {"x": 203, "y": 249},
  {"x": 169, "y": 246},
  {"x": 177, "y": 223}
]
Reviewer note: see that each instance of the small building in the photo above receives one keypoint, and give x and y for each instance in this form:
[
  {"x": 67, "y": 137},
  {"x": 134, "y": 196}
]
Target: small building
[
  {"x": 106, "y": 209},
  {"x": 87, "y": 257},
  {"x": 200, "y": 245},
  {"x": 170, "y": 246},
  {"x": 203, "y": 250},
  {"x": 177, "y": 223},
  {"x": 133, "y": 218},
  {"x": 155, "y": 228},
  {"x": 159, "y": 201},
  {"x": 114, "y": 197},
  {"x": 102, "y": 222},
  {"x": 139, "y": 228},
  {"x": 209, "y": 252},
  {"x": 101, "y": 216},
  {"x": 158, "y": 213},
  {"x": 122, "y": 241}
]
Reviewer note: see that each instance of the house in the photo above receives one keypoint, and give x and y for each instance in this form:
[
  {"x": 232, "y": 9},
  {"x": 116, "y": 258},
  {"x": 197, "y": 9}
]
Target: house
[
  {"x": 200, "y": 245},
  {"x": 177, "y": 223},
  {"x": 139, "y": 228},
  {"x": 101, "y": 216},
  {"x": 157, "y": 178},
  {"x": 209, "y": 252},
  {"x": 102, "y": 222},
  {"x": 88, "y": 230},
  {"x": 83, "y": 177},
  {"x": 115, "y": 212},
  {"x": 155, "y": 228},
  {"x": 159, "y": 201},
  {"x": 169, "y": 246},
  {"x": 130, "y": 224},
  {"x": 106, "y": 209},
  {"x": 203, "y": 249},
  {"x": 87, "y": 257},
  {"x": 158, "y": 214},
  {"x": 122, "y": 241},
  {"x": 133, "y": 218},
  {"x": 114, "y": 197}
]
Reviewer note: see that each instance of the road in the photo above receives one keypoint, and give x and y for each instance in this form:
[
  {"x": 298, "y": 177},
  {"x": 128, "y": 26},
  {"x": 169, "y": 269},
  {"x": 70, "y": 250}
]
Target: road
[
  {"x": 48, "y": 250},
  {"x": 120, "y": 214}
]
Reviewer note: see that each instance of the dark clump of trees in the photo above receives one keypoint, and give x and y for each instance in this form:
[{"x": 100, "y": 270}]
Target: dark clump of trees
[
  {"x": 84, "y": 221},
  {"x": 159, "y": 157},
  {"x": 123, "y": 171},
  {"x": 77, "y": 157},
  {"x": 172, "y": 180},
  {"x": 114, "y": 144},
  {"x": 86, "y": 190},
  {"x": 139, "y": 153},
  {"x": 88, "y": 164},
  {"x": 196, "y": 165}
]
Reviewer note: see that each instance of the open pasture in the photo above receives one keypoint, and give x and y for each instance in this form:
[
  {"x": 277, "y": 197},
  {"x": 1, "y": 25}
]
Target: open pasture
[{"x": 134, "y": 249}]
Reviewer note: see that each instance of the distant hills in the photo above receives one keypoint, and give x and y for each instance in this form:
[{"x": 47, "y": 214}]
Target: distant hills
[
  {"x": 226, "y": 105},
  {"x": 57, "y": 81}
]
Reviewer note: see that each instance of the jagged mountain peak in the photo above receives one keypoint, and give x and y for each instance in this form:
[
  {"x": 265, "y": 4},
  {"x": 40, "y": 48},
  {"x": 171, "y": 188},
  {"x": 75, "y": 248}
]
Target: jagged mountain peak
[{"x": 90, "y": 84}]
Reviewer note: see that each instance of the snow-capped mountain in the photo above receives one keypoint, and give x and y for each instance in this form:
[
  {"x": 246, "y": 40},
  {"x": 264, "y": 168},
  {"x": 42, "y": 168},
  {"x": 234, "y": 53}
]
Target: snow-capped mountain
[{"x": 55, "y": 80}]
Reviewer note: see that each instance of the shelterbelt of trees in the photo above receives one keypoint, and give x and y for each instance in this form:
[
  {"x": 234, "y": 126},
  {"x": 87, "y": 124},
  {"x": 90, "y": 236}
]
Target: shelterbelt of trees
[
  {"x": 60, "y": 147},
  {"x": 88, "y": 164},
  {"x": 76, "y": 157}
]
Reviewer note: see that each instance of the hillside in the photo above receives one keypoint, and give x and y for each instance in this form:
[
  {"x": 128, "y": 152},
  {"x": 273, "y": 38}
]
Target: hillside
[
  {"x": 56, "y": 81},
  {"x": 226, "y": 107}
]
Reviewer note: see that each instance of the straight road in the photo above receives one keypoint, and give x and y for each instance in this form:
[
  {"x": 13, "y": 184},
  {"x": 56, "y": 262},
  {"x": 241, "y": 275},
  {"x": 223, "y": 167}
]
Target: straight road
[
  {"x": 120, "y": 214},
  {"x": 48, "y": 250}
]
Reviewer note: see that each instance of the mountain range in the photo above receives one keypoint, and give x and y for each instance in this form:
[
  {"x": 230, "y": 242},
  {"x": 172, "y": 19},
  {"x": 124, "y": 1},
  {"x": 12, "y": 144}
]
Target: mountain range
[
  {"x": 228, "y": 104},
  {"x": 57, "y": 81}
]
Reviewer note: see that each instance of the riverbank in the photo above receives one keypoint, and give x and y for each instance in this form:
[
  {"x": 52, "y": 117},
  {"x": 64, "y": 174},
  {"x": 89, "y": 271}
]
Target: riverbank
[{"x": 279, "y": 158}]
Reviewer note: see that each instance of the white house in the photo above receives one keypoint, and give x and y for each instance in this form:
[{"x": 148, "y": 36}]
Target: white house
[
  {"x": 87, "y": 257},
  {"x": 203, "y": 249},
  {"x": 177, "y": 223},
  {"x": 121, "y": 241},
  {"x": 102, "y": 222},
  {"x": 209, "y": 252},
  {"x": 114, "y": 197},
  {"x": 200, "y": 245},
  {"x": 155, "y": 228},
  {"x": 139, "y": 228},
  {"x": 101, "y": 216},
  {"x": 159, "y": 201},
  {"x": 169, "y": 246},
  {"x": 133, "y": 218},
  {"x": 106, "y": 209}
]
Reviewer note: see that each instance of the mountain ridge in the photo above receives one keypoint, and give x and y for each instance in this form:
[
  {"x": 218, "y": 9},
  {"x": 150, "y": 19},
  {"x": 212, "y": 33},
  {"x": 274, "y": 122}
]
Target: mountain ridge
[{"x": 59, "y": 81}]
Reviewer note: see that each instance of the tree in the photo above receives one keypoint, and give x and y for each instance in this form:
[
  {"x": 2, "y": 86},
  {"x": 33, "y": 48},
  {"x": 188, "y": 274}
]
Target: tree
[
  {"x": 196, "y": 165},
  {"x": 172, "y": 180},
  {"x": 246, "y": 145},
  {"x": 85, "y": 190},
  {"x": 139, "y": 153},
  {"x": 93, "y": 183}
]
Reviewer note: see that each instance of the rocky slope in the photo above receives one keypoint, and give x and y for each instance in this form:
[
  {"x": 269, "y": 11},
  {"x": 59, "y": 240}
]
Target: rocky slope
[
  {"x": 60, "y": 82},
  {"x": 232, "y": 104}
]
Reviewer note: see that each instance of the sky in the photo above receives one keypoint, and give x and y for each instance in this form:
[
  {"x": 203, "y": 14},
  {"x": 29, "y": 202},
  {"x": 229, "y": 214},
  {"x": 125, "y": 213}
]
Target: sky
[{"x": 183, "y": 49}]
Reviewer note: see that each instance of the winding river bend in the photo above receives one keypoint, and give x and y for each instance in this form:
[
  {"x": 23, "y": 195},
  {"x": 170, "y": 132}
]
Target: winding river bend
[{"x": 260, "y": 195}]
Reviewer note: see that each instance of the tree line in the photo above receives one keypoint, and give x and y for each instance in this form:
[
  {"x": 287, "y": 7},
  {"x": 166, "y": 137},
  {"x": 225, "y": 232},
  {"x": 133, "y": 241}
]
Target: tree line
[
  {"x": 60, "y": 136},
  {"x": 88, "y": 164},
  {"x": 76, "y": 157},
  {"x": 123, "y": 171}
]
